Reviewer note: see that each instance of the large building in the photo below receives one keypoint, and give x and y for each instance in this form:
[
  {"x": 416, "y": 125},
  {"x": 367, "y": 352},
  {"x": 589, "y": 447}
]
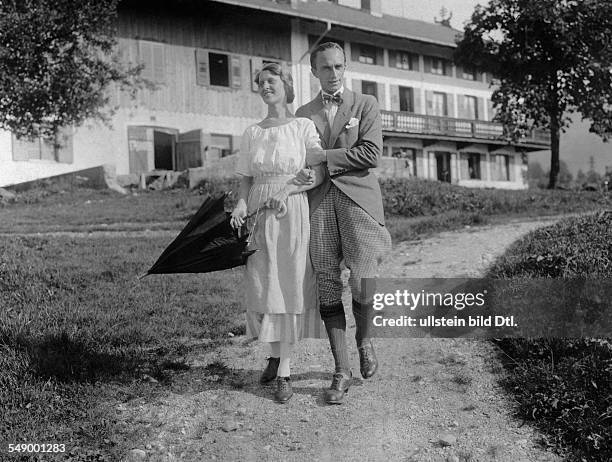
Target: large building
[{"x": 203, "y": 55}]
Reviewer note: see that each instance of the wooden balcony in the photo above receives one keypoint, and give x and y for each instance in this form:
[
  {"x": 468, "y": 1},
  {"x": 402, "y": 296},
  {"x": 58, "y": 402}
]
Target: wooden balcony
[{"x": 451, "y": 129}]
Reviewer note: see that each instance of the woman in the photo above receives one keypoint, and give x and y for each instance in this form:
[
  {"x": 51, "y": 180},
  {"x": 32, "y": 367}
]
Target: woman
[{"x": 279, "y": 282}]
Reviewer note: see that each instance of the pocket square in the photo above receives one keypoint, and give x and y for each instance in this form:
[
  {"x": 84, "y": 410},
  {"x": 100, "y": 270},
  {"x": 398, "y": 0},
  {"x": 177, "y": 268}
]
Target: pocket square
[{"x": 352, "y": 123}]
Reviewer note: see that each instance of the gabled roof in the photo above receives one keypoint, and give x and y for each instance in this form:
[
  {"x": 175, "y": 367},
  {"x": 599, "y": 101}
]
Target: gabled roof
[{"x": 344, "y": 16}]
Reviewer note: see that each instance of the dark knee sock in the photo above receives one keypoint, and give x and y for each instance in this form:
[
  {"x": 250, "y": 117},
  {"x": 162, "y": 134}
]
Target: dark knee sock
[
  {"x": 362, "y": 325},
  {"x": 335, "y": 325}
]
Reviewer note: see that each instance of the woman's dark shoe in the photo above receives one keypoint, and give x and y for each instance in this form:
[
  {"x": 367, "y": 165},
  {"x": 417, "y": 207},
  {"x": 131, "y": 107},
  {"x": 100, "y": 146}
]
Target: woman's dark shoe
[
  {"x": 270, "y": 371},
  {"x": 339, "y": 387},
  {"x": 367, "y": 360},
  {"x": 283, "y": 390}
]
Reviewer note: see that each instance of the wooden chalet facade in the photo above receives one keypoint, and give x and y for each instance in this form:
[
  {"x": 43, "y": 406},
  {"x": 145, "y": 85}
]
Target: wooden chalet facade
[{"x": 202, "y": 56}]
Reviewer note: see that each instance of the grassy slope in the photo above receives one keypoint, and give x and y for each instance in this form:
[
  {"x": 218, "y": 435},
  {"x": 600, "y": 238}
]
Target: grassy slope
[{"x": 564, "y": 385}]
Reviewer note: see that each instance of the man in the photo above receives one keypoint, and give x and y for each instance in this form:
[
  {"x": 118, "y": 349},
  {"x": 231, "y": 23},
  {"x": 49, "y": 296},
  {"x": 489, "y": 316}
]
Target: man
[{"x": 346, "y": 211}]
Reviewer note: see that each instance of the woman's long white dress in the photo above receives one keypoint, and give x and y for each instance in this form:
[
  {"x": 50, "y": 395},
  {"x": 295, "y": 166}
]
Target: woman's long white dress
[{"x": 280, "y": 287}]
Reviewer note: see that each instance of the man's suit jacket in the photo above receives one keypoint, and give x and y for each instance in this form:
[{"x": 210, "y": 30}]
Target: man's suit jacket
[{"x": 351, "y": 150}]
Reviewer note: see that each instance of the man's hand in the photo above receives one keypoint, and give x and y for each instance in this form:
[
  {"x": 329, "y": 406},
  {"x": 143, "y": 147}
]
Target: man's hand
[
  {"x": 315, "y": 156},
  {"x": 304, "y": 177}
]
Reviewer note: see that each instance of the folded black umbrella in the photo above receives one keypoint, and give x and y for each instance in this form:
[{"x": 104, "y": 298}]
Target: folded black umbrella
[{"x": 207, "y": 243}]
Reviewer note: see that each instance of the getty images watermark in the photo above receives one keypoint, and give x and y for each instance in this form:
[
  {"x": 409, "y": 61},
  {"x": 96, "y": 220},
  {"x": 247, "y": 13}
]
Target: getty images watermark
[{"x": 481, "y": 308}]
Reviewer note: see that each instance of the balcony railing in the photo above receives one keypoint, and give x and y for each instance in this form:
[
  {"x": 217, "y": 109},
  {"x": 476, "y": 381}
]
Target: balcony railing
[{"x": 460, "y": 128}]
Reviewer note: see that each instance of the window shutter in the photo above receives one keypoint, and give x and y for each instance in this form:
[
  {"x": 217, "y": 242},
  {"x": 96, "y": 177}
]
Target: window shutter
[
  {"x": 145, "y": 56},
  {"x": 416, "y": 94},
  {"x": 380, "y": 95},
  {"x": 159, "y": 62},
  {"x": 314, "y": 86},
  {"x": 478, "y": 76},
  {"x": 464, "y": 167},
  {"x": 427, "y": 63},
  {"x": 392, "y": 58},
  {"x": 491, "y": 109},
  {"x": 511, "y": 172},
  {"x": 488, "y": 78},
  {"x": 458, "y": 71},
  {"x": 395, "y": 103},
  {"x": 415, "y": 62},
  {"x": 461, "y": 112},
  {"x": 357, "y": 85},
  {"x": 236, "y": 76},
  {"x": 429, "y": 109},
  {"x": 479, "y": 108},
  {"x": 65, "y": 153},
  {"x": 355, "y": 51},
  {"x": 448, "y": 67},
  {"x": 449, "y": 101},
  {"x": 256, "y": 65},
  {"x": 380, "y": 57},
  {"x": 202, "y": 68}
]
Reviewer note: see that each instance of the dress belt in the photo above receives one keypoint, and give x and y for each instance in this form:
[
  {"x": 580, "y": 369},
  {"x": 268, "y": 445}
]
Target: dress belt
[{"x": 272, "y": 179}]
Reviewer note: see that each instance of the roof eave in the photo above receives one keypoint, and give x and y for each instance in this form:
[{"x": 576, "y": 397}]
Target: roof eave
[{"x": 301, "y": 15}]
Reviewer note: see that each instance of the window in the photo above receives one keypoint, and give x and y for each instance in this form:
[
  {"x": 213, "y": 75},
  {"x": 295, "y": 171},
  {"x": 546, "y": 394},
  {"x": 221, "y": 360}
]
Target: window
[
  {"x": 470, "y": 107},
  {"x": 369, "y": 88},
  {"x": 367, "y": 54},
  {"x": 438, "y": 66},
  {"x": 470, "y": 166},
  {"x": 222, "y": 143},
  {"x": 439, "y": 104},
  {"x": 406, "y": 99},
  {"x": 219, "y": 69},
  {"x": 468, "y": 74},
  {"x": 410, "y": 159},
  {"x": 365, "y": 5},
  {"x": 405, "y": 60}
]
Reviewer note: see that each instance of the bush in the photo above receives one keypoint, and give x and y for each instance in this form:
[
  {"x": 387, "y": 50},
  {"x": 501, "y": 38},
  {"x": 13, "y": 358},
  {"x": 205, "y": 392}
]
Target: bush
[{"x": 564, "y": 385}]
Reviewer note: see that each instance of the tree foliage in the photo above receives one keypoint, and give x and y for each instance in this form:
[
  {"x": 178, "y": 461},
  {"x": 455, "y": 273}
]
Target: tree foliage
[
  {"x": 551, "y": 58},
  {"x": 57, "y": 60}
]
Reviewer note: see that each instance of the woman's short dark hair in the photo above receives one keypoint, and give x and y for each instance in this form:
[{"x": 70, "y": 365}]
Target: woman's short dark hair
[
  {"x": 323, "y": 47},
  {"x": 285, "y": 77}
]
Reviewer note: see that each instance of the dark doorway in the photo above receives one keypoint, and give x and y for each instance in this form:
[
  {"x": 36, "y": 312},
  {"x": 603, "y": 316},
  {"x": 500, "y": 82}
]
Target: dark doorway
[
  {"x": 443, "y": 166},
  {"x": 164, "y": 149}
]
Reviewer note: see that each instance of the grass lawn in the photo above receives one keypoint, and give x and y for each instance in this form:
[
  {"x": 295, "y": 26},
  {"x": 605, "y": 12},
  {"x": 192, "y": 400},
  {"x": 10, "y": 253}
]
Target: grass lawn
[{"x": 79, "y": 331}]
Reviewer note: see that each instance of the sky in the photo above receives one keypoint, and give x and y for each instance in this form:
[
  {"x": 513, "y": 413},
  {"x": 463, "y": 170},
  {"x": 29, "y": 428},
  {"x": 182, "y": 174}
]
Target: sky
[{"x": 577, "y": 145}]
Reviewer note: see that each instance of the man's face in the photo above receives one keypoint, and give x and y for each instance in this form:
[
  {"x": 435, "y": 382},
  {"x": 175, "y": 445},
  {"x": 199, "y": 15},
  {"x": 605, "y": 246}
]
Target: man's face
[{"x": 329, "y": 69}]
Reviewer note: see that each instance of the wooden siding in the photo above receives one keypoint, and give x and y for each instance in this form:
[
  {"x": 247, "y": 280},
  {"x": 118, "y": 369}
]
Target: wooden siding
[{"x": 179, "y": 85}]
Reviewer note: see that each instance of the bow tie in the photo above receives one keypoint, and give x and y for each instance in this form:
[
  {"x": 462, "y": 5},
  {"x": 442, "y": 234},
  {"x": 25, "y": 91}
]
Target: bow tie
[{"x": 334, "y": 99}]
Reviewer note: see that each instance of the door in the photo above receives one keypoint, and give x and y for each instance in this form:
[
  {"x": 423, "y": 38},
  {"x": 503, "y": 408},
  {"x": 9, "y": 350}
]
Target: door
[
  {"x": 443, "y": 167},
  {"x": 163, "y": 146}
]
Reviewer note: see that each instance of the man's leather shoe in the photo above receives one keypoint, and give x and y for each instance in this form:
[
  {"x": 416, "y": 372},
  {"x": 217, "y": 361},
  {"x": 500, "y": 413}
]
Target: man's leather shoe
[
  {"x": 339, "y": 387},
  {"x": 283, "y": 390},
  {"x": 367, "y": 360},
  {"x": 270, "y": 371}
]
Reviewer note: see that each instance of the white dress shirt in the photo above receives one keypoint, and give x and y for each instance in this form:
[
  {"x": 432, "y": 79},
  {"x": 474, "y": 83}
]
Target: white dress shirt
[{"x": 330, "y": 108}]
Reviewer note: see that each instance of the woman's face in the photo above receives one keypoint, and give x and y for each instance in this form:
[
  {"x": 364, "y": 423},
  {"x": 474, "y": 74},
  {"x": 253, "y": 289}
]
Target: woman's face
[{"x": 271, "y": 88}]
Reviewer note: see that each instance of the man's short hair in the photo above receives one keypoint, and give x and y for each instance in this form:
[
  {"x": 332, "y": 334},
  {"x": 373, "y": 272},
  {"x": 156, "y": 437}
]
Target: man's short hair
[
  {"x": 285, "y": 77},
  {"x": 323, "y": 47}
]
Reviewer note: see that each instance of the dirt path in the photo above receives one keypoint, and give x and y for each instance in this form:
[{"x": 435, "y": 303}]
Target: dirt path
[{"x": 432, "y": 399}]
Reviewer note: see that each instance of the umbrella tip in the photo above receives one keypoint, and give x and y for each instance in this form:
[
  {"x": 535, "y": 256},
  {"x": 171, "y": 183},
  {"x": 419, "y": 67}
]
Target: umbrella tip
[{"x": 140, "y": 277}]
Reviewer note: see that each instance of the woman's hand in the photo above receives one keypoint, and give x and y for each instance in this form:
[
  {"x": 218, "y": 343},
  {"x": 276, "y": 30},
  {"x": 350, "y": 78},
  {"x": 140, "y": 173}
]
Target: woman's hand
[
  {"x": 304, "y": 177},
  {"x": 238, "y": 215},
  {"x": 278, "y": 201}
]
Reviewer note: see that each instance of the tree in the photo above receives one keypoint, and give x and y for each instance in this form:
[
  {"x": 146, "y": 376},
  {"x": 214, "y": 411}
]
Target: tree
[
  {"x": 57, "y": 64},
  {"x": 551, "y": 58}
]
